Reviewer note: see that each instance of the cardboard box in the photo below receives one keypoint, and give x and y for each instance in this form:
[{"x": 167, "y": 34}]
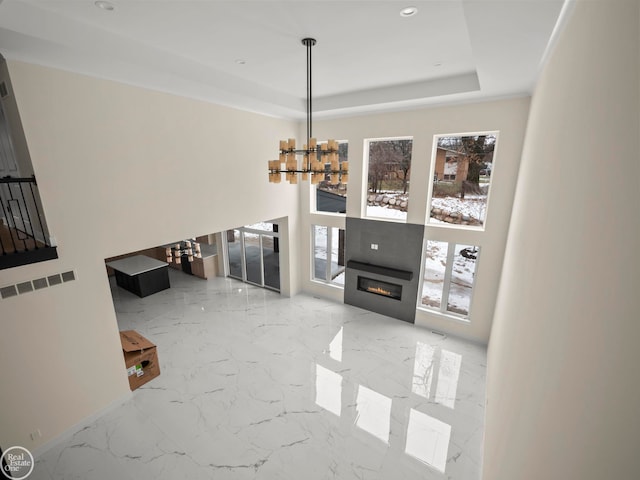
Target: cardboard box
[{"x": 140, "y": 358}]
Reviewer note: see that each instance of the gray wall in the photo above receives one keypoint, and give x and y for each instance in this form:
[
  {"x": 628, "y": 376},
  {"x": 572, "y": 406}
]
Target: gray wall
[{"x": 399, "y": 247}]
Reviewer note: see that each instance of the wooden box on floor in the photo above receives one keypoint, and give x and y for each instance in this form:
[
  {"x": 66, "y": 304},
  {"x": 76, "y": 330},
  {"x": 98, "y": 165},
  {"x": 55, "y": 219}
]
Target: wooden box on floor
[{"x": 140, "y": 358}]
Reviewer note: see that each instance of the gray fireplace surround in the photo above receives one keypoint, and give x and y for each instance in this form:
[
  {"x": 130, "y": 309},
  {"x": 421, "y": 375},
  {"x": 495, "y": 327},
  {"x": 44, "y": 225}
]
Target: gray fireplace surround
[{"x": 385, "y": 255}]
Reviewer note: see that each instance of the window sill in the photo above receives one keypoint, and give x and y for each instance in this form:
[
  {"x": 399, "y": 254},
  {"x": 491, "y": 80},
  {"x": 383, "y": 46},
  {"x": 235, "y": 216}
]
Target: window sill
[{"x": 445, "y": 316}]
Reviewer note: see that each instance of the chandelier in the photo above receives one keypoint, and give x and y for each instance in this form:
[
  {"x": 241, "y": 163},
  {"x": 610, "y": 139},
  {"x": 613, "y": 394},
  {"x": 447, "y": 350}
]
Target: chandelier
[
  {"x": 190, "y": 248},
  {"x": 318, "y": 159}
]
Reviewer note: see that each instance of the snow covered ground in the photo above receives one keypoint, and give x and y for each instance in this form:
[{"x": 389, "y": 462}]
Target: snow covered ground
[
  {"x": 377, "y": 211},
  {"x": 472, "y": 205},
  {"x": 461, "y": 278}
]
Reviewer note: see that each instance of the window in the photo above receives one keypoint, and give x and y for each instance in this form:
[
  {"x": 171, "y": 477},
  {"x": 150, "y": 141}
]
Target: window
[
  {"x": 389, "y": 168},
  {"x": 461, "y": 179},
  {"x": 328, "y": 254},
  {"x": 333, "y": 197},
  {"x": 448, "y": 279}
]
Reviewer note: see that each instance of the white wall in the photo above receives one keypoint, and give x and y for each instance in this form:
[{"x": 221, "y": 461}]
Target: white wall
[
  {"x": 563, "y": 391},
  {"x": 506, "y": 116},
  {"x": 119, "y": 169}
]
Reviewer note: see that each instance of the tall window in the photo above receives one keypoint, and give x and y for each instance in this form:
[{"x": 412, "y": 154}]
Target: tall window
[
  {"x": 449, "y": 275},
  {"x": 389, "y": 169},
  {"x": 461, "y": 179},
  {"x": 333, "y": 197},
  {"x": 328, "y": 254}
]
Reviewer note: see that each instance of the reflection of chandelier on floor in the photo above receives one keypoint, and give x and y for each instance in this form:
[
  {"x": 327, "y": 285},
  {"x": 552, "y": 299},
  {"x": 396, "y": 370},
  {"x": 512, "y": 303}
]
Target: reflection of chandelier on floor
[
  {"x": 315, "y": 157},
  {"x": 190, "y": 248}
]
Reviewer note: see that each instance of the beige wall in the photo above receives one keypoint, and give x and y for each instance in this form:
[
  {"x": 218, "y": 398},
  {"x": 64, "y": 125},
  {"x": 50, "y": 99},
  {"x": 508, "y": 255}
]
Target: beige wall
[
  {"x": 563, "y": 391},
  {"x": 120, "y": 169},
  {"x": 508, "y": 117}
]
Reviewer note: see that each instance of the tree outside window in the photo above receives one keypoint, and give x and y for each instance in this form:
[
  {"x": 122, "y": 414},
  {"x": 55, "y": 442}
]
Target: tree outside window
[
  {"x": 389, "y": 170},
  {"x": 461, "y": 179}
]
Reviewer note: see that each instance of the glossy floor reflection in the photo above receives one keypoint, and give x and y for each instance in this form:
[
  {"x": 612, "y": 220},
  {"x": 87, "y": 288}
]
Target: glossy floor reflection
[{"x": 258, "y": 386}]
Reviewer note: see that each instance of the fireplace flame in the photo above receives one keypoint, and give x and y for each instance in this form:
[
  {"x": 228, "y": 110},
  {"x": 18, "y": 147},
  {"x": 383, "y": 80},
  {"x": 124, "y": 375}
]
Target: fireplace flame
[{"x": 379, "y": 290}]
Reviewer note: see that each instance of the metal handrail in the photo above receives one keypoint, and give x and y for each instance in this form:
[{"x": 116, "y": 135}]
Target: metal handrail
[{"x": 10, "y": 179}]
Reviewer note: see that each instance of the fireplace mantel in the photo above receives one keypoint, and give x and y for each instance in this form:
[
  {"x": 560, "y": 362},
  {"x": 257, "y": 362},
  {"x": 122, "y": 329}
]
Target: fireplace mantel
[{"x": 380, "y": 270}]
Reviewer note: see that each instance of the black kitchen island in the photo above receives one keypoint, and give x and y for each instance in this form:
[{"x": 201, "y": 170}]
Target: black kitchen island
[{"x": 141, "y": 275}]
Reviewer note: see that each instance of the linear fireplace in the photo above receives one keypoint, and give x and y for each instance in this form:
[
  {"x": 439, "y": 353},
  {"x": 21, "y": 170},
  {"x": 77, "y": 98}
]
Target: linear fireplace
[
  {"x": 381, "y": 259},
  {"x": 378, "y": 287}
]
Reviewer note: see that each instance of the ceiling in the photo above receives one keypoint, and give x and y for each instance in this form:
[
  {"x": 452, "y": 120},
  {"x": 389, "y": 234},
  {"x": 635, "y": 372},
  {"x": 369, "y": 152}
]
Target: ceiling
[{"x": 249, "y": 55}]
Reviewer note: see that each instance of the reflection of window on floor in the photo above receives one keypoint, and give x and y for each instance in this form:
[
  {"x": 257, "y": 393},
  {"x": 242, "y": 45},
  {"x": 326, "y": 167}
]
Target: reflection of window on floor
[
  {"x": 428, "y": 439},
  {"x": 328, "y": 390},
  {"x": 436, "y": 373},
  {"x": 435, "y": 377},
  {"x": 373, "y": 413},
  {"x": 328, "y": 254},
  {"x": 335, "y": 347},
  {"x": 449, "y": 273},
  {"x": 461, "y": 179}
]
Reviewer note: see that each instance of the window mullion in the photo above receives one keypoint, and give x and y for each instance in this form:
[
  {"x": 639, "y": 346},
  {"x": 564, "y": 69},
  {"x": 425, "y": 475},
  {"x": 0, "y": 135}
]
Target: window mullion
[
  {"x": 447, "y": 277},
  {"x": 261, "y": 260},
  {"x": 327, "y": 273}
]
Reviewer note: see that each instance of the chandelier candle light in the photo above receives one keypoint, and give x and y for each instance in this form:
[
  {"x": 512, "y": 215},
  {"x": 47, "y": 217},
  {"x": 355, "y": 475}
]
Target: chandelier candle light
[{"x": 317, "y": 160}]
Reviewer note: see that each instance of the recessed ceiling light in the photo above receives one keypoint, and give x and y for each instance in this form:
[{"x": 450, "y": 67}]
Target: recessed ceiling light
[
  {"x": 408, "y": 11},
  {"x": 105, "y": 5}
]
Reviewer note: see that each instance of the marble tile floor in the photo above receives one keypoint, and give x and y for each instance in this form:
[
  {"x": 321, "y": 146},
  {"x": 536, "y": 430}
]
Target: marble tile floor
[{"x": 255, "y": 385}]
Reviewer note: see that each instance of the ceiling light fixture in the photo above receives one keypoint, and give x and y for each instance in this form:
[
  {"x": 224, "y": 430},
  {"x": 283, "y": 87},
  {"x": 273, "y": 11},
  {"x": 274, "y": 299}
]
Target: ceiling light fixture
[
  {"x": 408, "y": 11},
  {"x": 319, "y": 160},
  {"x": 105, "y": 5},
  {"x": 185, "y": 248}
]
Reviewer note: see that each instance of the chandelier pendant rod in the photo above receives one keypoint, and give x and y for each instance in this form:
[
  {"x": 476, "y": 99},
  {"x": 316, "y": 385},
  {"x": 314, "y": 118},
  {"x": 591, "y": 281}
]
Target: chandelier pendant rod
[
  {"x": 309, "y": 92},
  {"x": 309, "y": 43}
]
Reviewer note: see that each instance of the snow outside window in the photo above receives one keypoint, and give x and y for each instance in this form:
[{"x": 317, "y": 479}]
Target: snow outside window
[
  {"x": 461, "y": 177},
  {"x": 388, "y": 176},
  {"x": 328, "y": 254},
  {"x": 448, "y": 279}
]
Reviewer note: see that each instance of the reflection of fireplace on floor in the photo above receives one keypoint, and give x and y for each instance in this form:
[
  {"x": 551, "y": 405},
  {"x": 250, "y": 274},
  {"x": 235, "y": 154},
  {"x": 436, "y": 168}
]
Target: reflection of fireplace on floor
[{"x": 378, "y": 287}]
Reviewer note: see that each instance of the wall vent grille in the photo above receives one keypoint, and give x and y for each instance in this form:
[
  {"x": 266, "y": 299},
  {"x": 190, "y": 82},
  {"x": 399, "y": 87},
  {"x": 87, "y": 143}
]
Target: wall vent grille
[{"x": 36, "y": 284}]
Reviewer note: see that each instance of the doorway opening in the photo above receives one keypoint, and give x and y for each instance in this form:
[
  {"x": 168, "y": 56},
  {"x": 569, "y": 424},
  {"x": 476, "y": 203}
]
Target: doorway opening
[{"x": 253, "y": 254}]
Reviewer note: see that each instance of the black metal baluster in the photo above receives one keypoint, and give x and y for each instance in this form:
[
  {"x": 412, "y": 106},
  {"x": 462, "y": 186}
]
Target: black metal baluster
[
  {"x": 6, "y": 211},
  {"x": 44, "y": 239},
  {"x": 33, "y": 232}
]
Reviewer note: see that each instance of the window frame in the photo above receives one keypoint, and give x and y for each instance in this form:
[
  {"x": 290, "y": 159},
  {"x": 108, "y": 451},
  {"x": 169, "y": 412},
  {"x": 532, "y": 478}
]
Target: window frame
[
  {"x": 442, "y": 310},
  {"x": 365, "y": 177},
  {"x": 327, "y": 280},
  {"x": 432, "y": 171},
  {"x": 313, "y": 203}
]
